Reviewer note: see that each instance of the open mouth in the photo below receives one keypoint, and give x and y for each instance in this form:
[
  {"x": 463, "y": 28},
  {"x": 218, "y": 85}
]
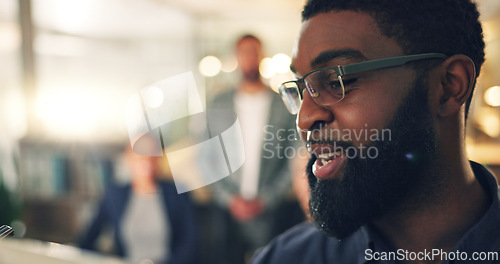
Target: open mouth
[
  {"x": 325, "y": 158},
  {"x": 328, "y": 162}
]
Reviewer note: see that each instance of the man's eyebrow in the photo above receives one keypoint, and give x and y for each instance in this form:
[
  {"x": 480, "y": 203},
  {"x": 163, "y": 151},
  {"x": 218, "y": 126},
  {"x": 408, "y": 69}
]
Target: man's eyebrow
[{"x": 329, "y": 55}]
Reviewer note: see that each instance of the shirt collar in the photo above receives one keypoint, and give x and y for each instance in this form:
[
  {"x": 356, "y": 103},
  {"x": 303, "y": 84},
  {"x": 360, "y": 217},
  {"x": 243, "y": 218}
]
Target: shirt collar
[{"x": 482, "y": 237}]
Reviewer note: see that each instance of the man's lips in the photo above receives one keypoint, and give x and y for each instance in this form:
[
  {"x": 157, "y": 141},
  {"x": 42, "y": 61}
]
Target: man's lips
[{"x": 329, "y": 160}]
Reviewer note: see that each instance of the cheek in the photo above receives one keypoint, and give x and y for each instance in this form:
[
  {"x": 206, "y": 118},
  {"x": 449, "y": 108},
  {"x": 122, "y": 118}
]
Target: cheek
[
  {"x": 369, "y": 111},
  {"x": 355, "y": 121}
]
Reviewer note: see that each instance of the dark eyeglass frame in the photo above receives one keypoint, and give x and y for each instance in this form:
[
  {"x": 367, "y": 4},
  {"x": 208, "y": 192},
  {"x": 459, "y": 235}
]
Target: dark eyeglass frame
[{"x": 342, "y": 70}]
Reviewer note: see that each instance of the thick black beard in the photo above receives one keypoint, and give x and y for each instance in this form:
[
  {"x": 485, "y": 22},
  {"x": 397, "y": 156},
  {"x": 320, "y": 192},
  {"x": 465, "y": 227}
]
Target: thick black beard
[{"x": 369, "y": 188}]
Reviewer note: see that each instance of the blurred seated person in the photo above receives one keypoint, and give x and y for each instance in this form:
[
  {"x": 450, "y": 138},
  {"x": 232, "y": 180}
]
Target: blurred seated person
[{"x": 151, "y": 222}]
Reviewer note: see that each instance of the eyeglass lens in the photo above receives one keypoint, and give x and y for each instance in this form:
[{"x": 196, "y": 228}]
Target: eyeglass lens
[{"x": 325, "y": 87}]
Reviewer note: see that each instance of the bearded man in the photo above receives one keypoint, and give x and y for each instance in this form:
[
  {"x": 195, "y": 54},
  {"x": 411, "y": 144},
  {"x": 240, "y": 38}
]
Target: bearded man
[{"x": 409, "y": 67}]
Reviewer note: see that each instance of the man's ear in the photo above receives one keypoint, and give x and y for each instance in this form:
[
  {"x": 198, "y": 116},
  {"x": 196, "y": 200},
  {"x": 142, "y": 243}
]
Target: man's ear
[{"x": 458, "y": 75}]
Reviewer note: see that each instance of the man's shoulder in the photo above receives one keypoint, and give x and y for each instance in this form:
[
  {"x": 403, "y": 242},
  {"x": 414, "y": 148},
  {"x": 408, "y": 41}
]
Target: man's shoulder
[
  {"x": 304, "y": 243},
  {"x": 301, "y": 244}
]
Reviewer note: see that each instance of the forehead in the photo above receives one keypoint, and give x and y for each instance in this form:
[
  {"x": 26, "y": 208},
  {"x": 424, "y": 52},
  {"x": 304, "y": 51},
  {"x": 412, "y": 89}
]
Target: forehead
[{"x": 337, "y": 31}]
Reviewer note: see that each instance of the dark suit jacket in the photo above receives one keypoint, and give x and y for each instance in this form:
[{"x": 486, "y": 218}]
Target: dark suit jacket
[{"x": 180, "y": 212}]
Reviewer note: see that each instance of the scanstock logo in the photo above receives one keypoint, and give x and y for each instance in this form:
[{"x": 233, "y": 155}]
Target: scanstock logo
[{"x": 171, "y": 113}]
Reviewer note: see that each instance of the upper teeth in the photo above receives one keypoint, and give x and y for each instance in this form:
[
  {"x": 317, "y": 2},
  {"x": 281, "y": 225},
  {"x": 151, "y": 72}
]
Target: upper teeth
[
  {"x": 326, "y": 155},
  {"x": 330, "y": 155}
]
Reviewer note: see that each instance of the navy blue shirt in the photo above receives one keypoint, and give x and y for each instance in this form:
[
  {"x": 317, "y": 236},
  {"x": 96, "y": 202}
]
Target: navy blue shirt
[{"x": 306, "y": 244}]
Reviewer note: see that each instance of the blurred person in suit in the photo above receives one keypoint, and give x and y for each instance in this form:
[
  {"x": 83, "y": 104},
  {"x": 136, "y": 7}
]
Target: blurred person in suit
[
  {"x": 254, "y": 197},
  {"x": 151, "y": 222}
]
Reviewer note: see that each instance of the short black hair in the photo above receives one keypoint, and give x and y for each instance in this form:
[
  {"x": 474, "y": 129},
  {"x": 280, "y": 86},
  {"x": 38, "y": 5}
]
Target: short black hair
[{"x": 444, "y": 26}]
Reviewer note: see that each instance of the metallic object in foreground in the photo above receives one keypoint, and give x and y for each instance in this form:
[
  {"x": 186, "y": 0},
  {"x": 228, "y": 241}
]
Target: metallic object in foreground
[{"x": 6, "y": 231}]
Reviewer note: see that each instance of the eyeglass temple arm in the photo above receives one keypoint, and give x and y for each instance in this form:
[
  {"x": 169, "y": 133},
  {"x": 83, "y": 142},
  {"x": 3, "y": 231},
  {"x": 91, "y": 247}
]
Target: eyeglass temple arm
[{"x": 386, "y": 62}]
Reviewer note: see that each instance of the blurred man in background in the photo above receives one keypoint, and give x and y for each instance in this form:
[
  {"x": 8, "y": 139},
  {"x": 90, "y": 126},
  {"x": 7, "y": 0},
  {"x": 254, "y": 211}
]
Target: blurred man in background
[{"x": 254, "y": 196}]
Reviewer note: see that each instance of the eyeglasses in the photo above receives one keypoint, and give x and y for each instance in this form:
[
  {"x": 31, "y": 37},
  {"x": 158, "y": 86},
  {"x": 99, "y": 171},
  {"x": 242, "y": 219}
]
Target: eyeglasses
[{"x": 328, "y": 81}]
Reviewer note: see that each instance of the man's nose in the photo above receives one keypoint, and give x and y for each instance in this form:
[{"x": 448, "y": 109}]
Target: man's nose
[{"x": 311, "y": 115}]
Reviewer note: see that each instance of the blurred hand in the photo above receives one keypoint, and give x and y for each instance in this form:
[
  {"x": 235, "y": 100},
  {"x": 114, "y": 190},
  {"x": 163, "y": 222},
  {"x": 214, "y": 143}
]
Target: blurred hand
[{"x": 244, "y": 210}]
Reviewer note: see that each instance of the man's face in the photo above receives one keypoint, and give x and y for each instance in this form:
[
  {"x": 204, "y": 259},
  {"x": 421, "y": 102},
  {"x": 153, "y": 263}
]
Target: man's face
[
  {"x": 369, "y": 174},
  {"x": 249, "y": 54},
  {"x": 380, "y": 92}
]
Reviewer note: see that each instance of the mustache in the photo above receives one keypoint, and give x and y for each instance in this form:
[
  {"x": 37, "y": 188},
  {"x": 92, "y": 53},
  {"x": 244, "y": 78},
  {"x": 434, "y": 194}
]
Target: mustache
[{"x": 328, "y": 142}]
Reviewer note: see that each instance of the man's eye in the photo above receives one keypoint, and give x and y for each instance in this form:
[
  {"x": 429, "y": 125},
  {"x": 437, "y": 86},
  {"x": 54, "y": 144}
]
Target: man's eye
[
  {"x": 349, "y": 82},
  {"x": 336, "y": 86}
]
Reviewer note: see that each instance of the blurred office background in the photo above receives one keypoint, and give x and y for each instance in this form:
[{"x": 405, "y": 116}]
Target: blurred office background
[{"x": 67, "y": 68}]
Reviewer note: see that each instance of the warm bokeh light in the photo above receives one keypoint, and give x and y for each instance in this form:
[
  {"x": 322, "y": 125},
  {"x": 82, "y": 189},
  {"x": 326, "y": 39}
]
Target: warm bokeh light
[
  {"x": 281, "y": 63},
  {"x": 278, "y": 79},
  {"x": 489, "y": 121},
  {"x": 229, "y": 64},
  {"x": 266, "y": 68},
  {"x": 492, "y": 96},
  {"x": 210, "y": 66},
  {"x": 278, "y": 64},
  {"x": 491, "y": 125}
]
